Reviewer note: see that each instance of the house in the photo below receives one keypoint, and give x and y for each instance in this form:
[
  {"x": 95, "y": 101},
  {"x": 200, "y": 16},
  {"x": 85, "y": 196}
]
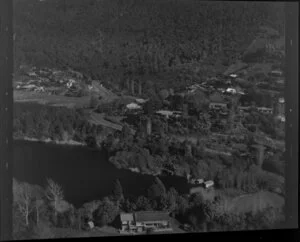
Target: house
[
  {"x": 231, "y": 90},
  {"x": 133, "y": 106},
  {"x": 143, "y": 221},
  {"x": 217, "y": 102},
  {"x": 208, "y": 184},
  {"x": 265, "y": 110},
  {"x": 127, "y": 222},
  {"x": 281, "y": 103},
  {"x": 141, "y": 101},
  {"x": 243, "y": 109},
  {"x": 165, "y": 113},
  {"x": 276, "y": 73},
  {"x": 169, "y": 114},
  {"x": 29, "y": 87}
]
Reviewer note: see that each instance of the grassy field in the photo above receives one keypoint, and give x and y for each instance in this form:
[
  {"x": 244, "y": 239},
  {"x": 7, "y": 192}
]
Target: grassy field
[
  {"x": 53, "y": 100},
  {"x": 98, "y": 232},
  {"x": 255, "y": 202}
]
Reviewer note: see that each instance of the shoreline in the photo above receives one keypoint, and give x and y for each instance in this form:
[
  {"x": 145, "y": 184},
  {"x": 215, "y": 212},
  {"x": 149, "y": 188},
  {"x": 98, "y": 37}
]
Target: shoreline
[
  {"x": 50, "y": 141},
  {"x": 81, "y": 144}
]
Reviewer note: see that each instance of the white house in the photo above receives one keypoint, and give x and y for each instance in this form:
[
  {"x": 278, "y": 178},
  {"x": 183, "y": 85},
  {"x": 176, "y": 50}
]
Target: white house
[
  {"x": 141, "y": 101},
  {"x": 165, "y": 113},
  {"x": 281, "y": 100},
  {"x": 231, "y": 90},
  {"x": 70, "y": 83},
  {"x": 208, "y": 184},
  {"x": 132, "y": 106},
  {"x": 31, "y": 86},
  {"x": 276, "y": 73},
  {"x": 265, "y": 110}
]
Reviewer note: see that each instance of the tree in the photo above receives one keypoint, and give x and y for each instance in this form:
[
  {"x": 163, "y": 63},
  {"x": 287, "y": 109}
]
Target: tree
[
  {"x": 188, "y": 149},
  {"x": 168, "y": 201},
  {"x": 55, "y": 195},
  {"x": 163, "y": 94},
  {"x": 118, "y": 191},
  {"x": 93, "y": 101},
  {"x": 39, "y": 203},
  {"x": 106, "y": 212},
  {"x": 23, "y": 198},
  {"x": 143, "y": 204},
  {"x": 157, "y": 189},
  {"x": 89, "y": 209}
]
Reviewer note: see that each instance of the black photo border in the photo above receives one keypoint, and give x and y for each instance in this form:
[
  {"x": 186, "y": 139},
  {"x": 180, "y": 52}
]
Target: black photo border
[{"x": 289, "y": 233}]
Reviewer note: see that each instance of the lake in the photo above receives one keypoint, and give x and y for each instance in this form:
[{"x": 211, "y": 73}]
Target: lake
[{"x": 85, "y": 174}]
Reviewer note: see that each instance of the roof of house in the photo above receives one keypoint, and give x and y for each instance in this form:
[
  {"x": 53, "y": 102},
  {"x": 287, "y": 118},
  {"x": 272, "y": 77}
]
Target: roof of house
[
  {"x": 144, "y": 216},
  {"x": 133, "y": 106},
  {"x": 126, "y": 216}
]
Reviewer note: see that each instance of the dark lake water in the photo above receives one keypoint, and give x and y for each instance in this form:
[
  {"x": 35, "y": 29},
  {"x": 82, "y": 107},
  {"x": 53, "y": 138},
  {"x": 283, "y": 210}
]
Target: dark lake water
[{"x": 84, "y": 174}]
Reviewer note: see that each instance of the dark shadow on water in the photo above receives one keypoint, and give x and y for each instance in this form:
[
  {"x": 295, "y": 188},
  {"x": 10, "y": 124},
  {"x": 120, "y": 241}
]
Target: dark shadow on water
[{"x": 84, "y": 174}]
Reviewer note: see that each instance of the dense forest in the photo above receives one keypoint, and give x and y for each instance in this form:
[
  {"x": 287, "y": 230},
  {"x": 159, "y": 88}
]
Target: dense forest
[{"x": 107, "y": 40}]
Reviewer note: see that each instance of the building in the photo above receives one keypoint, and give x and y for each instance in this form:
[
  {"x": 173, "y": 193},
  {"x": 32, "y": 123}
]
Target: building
[
  {"x": 143, "y": 221},
  {"x": 217, "y": 102},
  {"x": 168, "y": 114},
  {"x": 265, "y": 110},
  {"x": 127, "y": 222},
  {"x": 276, "y": 73},
  {"x": 281, "y": 106},
  {"x": 132, "y": 106},
  {"x": 141, "y": 101},
  {"x": 197, "y": 181},
  {"x": 208, "y": 184},
  {"x": 231, "y": 90}
]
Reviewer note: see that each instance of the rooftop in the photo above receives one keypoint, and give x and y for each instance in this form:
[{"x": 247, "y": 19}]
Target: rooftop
[{"x": 126, "y": 216}]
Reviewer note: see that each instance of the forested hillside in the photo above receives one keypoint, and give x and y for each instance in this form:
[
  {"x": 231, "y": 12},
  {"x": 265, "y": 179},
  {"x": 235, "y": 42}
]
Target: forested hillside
[{"x": 107, "y": 39}]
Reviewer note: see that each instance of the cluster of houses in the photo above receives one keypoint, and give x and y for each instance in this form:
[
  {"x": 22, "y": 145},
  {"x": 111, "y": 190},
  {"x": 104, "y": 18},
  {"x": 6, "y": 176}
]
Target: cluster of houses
[
  {"x": 50, "y": 81},
  {"x": 144, "y": 222}
]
